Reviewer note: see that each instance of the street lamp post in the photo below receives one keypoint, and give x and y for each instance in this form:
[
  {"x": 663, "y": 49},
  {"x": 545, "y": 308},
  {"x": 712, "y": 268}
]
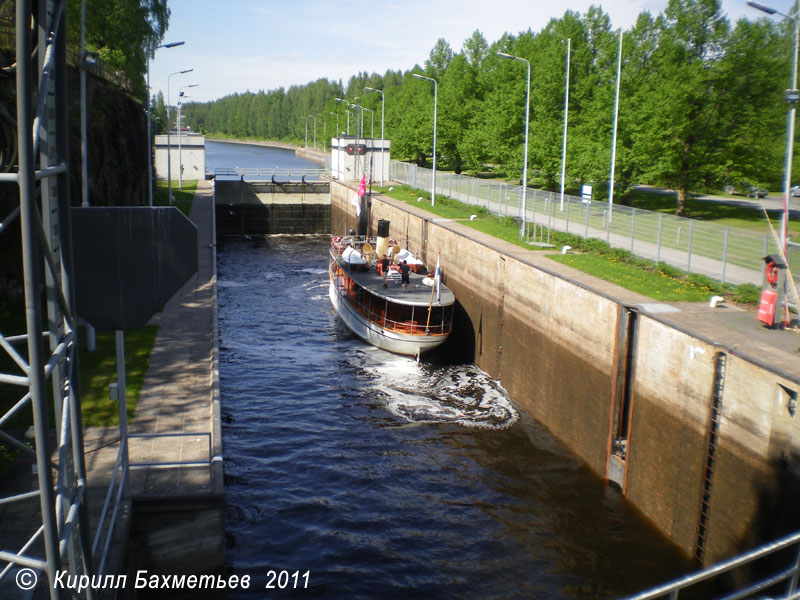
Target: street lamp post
[
  {"x": 346, "y": 103},
  {"x": 337, "y": 122},
  {"x": 149, "y": 134},
  {"x": 324, "y": 129},
  {"x": 181, "y": 96},
  {"x": 87, "y": 59},
  {"x": 372, "y": 114},
  {"x": 566, "y": 116},
  {"x": 435, "y": 96},
  {"x": 525, "y": 152},
  {"x": 369, "y": 89},
  {"x": 315, "y": 129},
  {"x": 359, "y": 118},
  {"x": 169, "y": 142},
  {"x": 306, "y": 122},
  {"x": 614, "y": 138},
  {"x": 792, "y": 98}
]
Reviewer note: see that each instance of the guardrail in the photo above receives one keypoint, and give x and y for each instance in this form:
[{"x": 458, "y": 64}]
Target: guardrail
[
  {"x": 118, "y": 492},
  {"x": 724, "y": 253},
  {"x": 268, "y": 174},
  {"x": 206, "y": 462},
  {"x": 787, "y": 574}
]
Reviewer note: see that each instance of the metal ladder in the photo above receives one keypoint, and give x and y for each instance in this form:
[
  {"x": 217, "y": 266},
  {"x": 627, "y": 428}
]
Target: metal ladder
[{"x": 720, "y": 364}]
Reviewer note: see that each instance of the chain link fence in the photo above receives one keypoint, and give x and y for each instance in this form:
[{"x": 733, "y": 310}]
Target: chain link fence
[{"x": 723, "y": 253}]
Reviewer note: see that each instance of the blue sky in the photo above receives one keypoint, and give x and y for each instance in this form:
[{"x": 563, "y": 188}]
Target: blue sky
[{"x": 256, "y": 45}]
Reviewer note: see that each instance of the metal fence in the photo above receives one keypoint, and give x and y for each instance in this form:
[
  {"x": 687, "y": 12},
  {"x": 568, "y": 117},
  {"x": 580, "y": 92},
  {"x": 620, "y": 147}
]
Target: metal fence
[{"x": 724, "y": 253}]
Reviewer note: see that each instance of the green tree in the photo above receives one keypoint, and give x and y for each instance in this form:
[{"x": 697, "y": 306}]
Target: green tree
[
  {"x": 122, "y": 32},
  {"x": 410, "y": 119},
  {"x": 439, "y": 59},
  {"x": 475, "y": 49},
  {"x": 680, "y": 137},
  {"x": 456, "y": 106},
  {"x": 158, "y": 114}
]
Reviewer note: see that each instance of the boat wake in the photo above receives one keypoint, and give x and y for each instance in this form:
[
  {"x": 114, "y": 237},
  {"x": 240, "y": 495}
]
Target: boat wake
[{"x": 460, "y": 394}]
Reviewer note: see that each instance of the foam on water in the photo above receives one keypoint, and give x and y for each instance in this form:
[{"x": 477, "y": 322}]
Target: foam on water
[{"x": 419, "y": 393}]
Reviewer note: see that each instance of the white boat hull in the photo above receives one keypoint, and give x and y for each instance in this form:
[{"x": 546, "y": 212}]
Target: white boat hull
[{"x": 399, "y": 343}]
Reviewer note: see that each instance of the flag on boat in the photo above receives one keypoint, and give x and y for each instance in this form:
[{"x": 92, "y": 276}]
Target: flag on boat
[
  {"x": 362, "y": 187},
  {"x": 437, "y": 280}
]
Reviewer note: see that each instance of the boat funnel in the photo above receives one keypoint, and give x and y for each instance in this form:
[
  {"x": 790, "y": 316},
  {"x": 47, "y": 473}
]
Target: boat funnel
[{"x": 382, "y": 245}]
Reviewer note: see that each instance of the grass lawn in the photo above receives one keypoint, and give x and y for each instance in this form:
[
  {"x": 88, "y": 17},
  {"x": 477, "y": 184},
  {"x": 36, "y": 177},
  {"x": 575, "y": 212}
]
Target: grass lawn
[
  {"x": 98, "y": 370},
  {"x": 647, "y": 281},
  {"x": 184, "y": 196}
]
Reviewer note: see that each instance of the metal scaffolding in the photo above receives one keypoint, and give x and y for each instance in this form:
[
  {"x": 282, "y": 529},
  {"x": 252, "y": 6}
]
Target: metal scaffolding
[{"x": 47, "y": 377}]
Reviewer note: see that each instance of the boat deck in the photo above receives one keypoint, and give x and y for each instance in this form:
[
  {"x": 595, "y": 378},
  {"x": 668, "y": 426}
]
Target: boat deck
[{"x": 418, "y": 294}]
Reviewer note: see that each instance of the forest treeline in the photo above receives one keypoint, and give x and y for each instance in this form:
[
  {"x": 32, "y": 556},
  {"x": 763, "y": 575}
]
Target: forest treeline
[{"x": 701, "y": 102}]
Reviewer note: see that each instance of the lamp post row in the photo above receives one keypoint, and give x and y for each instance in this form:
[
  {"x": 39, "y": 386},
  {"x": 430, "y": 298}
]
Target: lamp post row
[
  {"x": 169, "y": 143},
  {"x": 181, "y": 96},
  {"x": 149, "y": 155},
  {"x": 792, "y": 97}
]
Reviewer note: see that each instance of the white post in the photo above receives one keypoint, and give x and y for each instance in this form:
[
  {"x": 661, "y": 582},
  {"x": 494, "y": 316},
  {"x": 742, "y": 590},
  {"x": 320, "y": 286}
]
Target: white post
[
  {"x": 435, "y": 96},
  {"x": 614, "y": 140},
  {"x": 792, "y": 98},
  {"x": 169, "y": 142},
  {"x": 181, "y": 95},
  {"x": 522, "y": 207},
  {"x": 566, "y": 114},
  {"x": 149, "y": 134},
  {"x": 180, "y": 148},
  {"x": 383, "y": 150}
]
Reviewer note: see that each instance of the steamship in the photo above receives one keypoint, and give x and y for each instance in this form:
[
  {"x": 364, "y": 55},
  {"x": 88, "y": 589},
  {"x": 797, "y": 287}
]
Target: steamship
[{"x": 371, "y": 299}]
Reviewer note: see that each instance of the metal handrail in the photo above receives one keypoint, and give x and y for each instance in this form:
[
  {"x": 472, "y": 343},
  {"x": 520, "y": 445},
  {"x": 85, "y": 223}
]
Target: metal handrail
[
  {"x": 675, "y": 587},
  {"x": 268, "y": 173},
  {"x": 178, "y": 463}
]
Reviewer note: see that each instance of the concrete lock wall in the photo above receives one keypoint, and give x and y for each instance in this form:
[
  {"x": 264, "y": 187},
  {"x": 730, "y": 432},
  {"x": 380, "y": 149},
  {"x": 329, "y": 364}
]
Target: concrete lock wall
[
  {"x": 676, "y": 375},
  {"x": 559, "y": 349}
]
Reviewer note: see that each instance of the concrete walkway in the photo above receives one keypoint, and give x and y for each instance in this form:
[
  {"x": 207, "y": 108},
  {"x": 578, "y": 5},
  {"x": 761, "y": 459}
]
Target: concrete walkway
[
  {"x": 175, "y": 416},
  {"x": 180, "y": 402}
]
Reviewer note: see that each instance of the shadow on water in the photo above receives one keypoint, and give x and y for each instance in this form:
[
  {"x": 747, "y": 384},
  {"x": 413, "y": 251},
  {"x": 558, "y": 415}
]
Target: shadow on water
[
  {"x": 390, "y": 479},
  {"x": 459, "y": 348}
]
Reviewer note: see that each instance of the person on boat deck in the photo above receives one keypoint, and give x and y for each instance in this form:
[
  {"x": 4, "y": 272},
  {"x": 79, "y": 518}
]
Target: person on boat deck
[
  {"x": 385, "y": 262},
  {"x": 404, "y": 269}
]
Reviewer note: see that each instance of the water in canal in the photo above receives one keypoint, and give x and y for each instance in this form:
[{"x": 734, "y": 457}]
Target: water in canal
[
  {"x": 388, "y": 479},
  {"x": 248, "y": 156},
  {"x": 354, "y": 473}
]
